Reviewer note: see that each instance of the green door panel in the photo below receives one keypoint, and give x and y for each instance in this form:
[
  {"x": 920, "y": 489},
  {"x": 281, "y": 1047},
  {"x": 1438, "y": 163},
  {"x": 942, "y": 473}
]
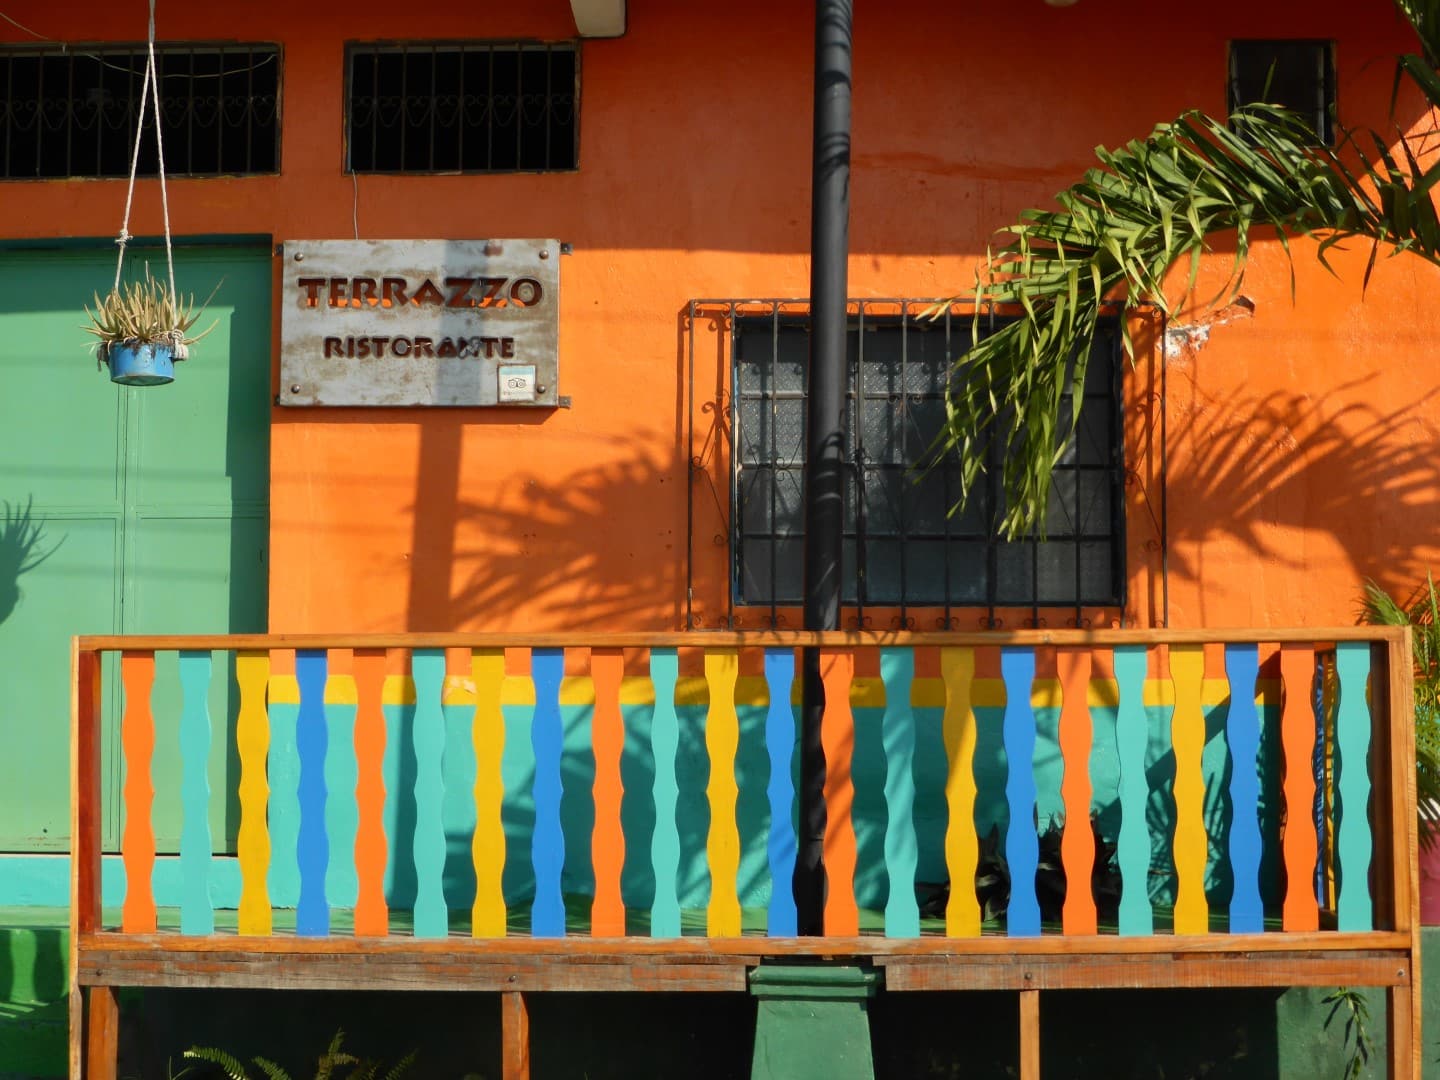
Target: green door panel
[
  {"x": 152, "y": 506},
  {"x": 74, "y": 586}
]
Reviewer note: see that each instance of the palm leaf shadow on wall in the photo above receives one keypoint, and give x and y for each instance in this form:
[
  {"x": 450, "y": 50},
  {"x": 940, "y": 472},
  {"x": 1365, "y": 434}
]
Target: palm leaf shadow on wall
[{"x": 22, "y": 549}]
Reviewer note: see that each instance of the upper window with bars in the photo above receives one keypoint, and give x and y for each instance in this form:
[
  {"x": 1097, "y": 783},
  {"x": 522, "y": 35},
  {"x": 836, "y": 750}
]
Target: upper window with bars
[
  {"x": 462, "y": 107},
  {"x": 72, "y": 111},
  {"x": 1300, "y": 75},
  {"x": 902, "y": 544}
]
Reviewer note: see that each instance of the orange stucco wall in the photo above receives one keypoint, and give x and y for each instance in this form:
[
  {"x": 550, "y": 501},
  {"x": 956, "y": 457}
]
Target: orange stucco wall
[{"x": 1300, "y": 439}]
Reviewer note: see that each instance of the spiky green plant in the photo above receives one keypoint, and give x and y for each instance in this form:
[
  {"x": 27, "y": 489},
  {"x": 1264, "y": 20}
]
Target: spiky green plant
[
  {"x": 147, "y": 313},
  {"x": 1118, "y": 232},
  {"x": 1421, "y": 612},
  {"x": 327, "y": 1067}
]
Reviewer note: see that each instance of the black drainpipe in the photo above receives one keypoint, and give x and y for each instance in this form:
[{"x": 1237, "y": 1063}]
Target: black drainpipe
[{"x": 824, "y": 450}]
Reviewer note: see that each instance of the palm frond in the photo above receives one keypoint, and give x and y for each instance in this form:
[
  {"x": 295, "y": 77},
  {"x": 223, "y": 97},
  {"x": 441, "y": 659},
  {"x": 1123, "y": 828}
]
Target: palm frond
[
  {"x": 1115, "y": 235},
  {"x": 1421, "y": 613},
  {"x": 231, "y": 1065}
]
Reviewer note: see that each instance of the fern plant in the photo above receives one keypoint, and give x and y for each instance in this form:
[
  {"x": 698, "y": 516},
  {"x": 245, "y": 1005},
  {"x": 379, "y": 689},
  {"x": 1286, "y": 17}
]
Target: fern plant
[
  {"x": 335, "y": 1064},
  {"x": 146, "y": 313}
]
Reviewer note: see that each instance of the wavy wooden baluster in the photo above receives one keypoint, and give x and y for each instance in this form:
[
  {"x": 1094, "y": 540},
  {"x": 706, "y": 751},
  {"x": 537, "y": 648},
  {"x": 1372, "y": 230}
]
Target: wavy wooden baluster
[
  {"x": 372, "y": 850},
  {"x": 137, "y": 842},
  {"x": 282, "y": 767},
  {"x": 1022, "y": 846},
  {"x": 1242, "y": 734},
  {"x": 722, "y": 739},
  {"x": 1137, "y": 917},
  {"x": 432, "y": 917},
  {"x": 458, "y": 769},
  {"x": 837, "y": 736},
  {"x": 1354, "y": 845},
  {"x": 1187, "y": 738},
  {"x": 782, "y": 920},
  {"x": 312, "y": 848},
  {"x": 962, "y": 846},
  {"x": 252, "y": 842},
  {"x": 488, "y": 916},
  {"x": 547, "y": 738},
  {"x": 1301, "y": 911},
  {"x": 1077, "y": 843},
  {"x": 902, "y": 851},
  {"x": 607, "y": 844},
  {"x": 342, "y": 777},
  {"x": 196, "y": 915},
  {"x": 665, "y": 843}
]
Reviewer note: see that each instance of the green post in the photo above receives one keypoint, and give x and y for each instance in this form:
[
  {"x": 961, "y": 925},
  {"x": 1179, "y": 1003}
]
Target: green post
[{"x": 812, "y": 1023}]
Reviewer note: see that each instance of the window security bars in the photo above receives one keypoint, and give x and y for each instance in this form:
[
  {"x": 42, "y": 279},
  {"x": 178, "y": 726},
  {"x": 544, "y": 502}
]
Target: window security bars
[
  {"x": 482, "y": 107},
  {"x": 1299, "y": 75},
  {"x": 72, "y": 111},
  {"x": 902, "y": 547}
]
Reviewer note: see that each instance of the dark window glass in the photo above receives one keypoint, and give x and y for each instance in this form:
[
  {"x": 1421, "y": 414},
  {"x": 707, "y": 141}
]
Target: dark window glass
[
  {"x": 1299, "y": 75},
  {"x": 462, "y": 107},
  {"x": 73, "y": 113},
  {"x": 902, "y": 543}
]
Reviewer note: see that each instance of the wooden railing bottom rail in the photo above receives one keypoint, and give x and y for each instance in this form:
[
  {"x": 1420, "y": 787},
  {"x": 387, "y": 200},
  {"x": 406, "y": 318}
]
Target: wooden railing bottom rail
[{"x": 107, "y": 961}]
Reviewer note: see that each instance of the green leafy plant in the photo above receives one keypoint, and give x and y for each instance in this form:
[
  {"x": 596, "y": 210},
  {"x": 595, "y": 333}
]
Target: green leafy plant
[
  {"x": 147, "y": 313},
  {"x": 332, "y": 1065},
  {"x": 1352, "y": 1004},
  {"x": 1421, "y": 612},
  {"x": 1109, "y": 246}
]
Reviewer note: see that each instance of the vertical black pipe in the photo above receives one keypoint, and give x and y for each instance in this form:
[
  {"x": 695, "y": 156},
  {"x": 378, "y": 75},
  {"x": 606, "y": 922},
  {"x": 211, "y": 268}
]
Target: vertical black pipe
[{"x": 824, "y": 449}]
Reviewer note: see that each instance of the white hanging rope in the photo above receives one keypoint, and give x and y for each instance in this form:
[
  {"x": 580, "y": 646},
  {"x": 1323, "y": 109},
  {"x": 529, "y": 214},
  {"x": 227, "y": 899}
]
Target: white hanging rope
[{"x": 150, "y": 82}]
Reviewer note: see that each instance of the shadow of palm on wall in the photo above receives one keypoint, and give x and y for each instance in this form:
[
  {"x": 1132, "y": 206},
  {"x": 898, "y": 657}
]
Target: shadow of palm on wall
[{"x": 21, "y": 542}]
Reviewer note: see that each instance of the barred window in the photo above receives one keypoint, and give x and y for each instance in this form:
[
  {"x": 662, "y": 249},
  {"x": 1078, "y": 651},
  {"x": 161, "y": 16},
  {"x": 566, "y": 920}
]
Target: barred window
[
  {"x": 1299, "y": 75},
  {"x": 902, "y": 546},
  {"x": 467, "y": 107},
  {"x": 73, "y": 111}
]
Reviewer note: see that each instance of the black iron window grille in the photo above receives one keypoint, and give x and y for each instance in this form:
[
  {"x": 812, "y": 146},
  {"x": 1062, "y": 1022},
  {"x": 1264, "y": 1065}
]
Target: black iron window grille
[
  {"x": 462, "y": 107},
  {"x": 1299, "y": 75},
  {"x": 72, "y": 111},
  {"x": 902, "y": 546}
]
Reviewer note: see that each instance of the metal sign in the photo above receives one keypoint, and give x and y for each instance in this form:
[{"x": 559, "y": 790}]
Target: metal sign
[{"x": 420, "y": 322}]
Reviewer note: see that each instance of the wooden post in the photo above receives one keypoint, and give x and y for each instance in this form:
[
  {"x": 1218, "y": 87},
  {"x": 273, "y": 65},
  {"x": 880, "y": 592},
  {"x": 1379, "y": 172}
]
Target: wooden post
[
  {"x": 102, "y": 1033},
  {"x": 84, "y": 832},
  {"x": 1403, "y": 1011},
  {"x": 515, "y": 1036},
  {"x": 1029, "y": 1035}
]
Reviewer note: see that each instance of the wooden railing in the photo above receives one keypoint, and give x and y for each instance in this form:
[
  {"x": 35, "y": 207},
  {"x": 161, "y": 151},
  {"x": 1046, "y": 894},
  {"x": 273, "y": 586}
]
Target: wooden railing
[{"x": 1011, "y": 795}]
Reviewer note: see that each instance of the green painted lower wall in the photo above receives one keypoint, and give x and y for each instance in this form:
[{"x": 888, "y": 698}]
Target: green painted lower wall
[{"x": 1261, "y": 1034}]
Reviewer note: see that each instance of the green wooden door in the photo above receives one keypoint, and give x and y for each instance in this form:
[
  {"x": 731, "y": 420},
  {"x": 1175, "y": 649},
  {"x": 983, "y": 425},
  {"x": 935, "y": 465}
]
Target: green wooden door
[{"x": 122, "y": 510}]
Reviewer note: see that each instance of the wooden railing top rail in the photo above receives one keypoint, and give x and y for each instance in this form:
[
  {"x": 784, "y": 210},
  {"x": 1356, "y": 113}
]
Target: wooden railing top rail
[{"x": 737, "y": 638}]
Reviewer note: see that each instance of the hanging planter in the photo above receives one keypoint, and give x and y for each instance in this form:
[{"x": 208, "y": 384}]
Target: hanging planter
[{"x": 144, "y": 328}]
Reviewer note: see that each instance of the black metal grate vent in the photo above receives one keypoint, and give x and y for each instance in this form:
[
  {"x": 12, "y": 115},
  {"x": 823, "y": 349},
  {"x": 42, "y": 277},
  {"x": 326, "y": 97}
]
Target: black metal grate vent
[
  {"x": 73, "y": 112},
  {"x": 901, "y": 546},
  {"x": 482, "y": 107}
]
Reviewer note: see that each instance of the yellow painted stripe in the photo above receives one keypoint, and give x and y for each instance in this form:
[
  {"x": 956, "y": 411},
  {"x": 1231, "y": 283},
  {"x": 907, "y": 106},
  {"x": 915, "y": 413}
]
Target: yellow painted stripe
[
  {"x": 252, "y": 843},
  {"x": 1187, "y": 737},
  {"x": 722, "y": 846},
  {"x": 750, "y": 690},
  {"x": 341, "y": 690},
  {"x": 488, "y": 916},
  {"x": 962, "y": 847},
  {"x": 284, "y": 690}
]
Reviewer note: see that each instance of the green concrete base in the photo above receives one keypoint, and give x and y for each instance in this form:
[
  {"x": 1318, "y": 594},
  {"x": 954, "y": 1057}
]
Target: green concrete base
[{"x": 812, "y": 1023}]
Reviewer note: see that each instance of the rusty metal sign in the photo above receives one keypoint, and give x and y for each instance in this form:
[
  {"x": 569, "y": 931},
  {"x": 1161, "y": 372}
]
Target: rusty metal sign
[{"x": 420, "y": 322}]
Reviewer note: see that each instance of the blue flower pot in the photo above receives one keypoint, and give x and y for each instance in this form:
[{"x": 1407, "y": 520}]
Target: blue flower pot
[{"x": 141, "y": 365}]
